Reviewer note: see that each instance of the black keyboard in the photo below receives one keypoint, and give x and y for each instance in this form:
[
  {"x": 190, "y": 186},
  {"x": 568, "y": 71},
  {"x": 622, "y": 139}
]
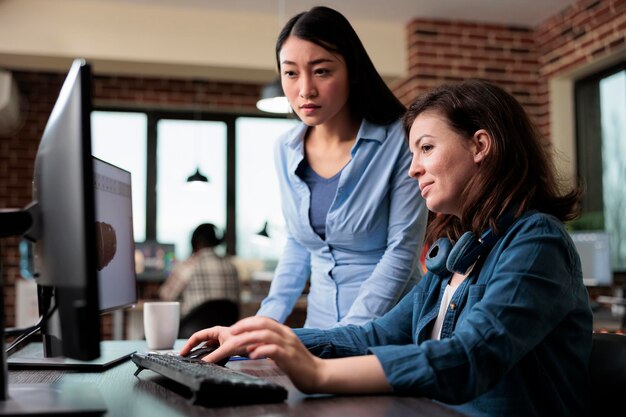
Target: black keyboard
[{"x": 209, "y": 383}]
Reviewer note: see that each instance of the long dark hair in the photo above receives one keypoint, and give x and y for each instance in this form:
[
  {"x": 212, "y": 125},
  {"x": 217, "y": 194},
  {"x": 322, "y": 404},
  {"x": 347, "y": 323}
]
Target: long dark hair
[
  {"x": 370, "y": 98},
  {"x": 517, "y": 174}
]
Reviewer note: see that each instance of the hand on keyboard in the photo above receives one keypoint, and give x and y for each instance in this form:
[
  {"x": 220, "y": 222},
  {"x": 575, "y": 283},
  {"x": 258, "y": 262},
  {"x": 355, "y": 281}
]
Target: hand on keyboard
[
  {"x": 258, "y": 337},
  {"x": 209, "y": 383},
  {"x": 264, "y": 337}
]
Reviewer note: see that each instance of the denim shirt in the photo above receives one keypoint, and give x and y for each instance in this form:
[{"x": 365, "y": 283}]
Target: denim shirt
[
  {"x": 516, "y": 337},
  {"x": 374, "y": 232}
]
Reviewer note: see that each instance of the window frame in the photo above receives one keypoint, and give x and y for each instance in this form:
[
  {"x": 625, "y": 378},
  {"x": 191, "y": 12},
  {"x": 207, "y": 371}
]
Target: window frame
[
  {"x": 153, "y": 117},
  {"x": 588, "y": 134}
]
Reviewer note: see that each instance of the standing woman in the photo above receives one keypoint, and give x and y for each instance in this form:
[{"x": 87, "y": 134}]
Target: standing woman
[{"x": 355, "y": 220}]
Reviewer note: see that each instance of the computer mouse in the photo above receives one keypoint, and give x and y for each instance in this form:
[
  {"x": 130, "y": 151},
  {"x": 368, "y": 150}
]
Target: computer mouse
[{"x": 202, "y": 351}]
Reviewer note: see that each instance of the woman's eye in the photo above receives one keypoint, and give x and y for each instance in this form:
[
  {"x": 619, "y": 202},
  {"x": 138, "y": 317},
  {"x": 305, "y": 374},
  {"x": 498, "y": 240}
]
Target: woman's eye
[
  {"x": 425, "y": 148},
  {"x": 289, "y": 74},
  {"x": 321, "y": 71}
]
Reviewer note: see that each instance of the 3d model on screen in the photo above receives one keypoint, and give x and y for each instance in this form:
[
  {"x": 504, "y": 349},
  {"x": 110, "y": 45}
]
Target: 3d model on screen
[{"x": 106, "y": 242}]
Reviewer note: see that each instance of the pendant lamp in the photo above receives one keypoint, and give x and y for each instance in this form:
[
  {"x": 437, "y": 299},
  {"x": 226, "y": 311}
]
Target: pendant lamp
[
  {"x": 263, "y": 232},
  {"x": 197, "y": 176},
  {"x": 273, "y": 99}
]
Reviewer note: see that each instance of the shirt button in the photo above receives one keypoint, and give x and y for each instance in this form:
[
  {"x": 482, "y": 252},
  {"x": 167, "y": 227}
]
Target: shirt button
[{"x": 452, "y": 306}]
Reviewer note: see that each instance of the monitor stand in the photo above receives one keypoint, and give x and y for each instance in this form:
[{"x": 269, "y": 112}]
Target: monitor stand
[
  {"x": 112, "y": 352},
  {"x": 56, "y": 398}
]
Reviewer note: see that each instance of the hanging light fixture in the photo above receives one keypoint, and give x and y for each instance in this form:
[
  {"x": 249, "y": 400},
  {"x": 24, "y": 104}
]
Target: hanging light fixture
[
  {"x": 263, "y": 232},
  {"x": 273, "y": 99},
  {"x": 197, "y": 176}
]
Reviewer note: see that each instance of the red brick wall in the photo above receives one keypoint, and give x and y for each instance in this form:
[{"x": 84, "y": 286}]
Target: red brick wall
[
  {"x": 175, "y": 94},
  {"x": 39, "y": 92},
  {"x": 17, "y": 154},
  {"x": 521, "y": 60},
  {"x": 443, "y": 51},
  {"x": 588, "y": 31}
]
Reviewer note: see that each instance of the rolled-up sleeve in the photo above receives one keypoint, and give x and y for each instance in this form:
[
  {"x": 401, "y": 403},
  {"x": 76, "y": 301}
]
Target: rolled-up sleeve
[
  {"x": 529, "y": 292},
  {"x": 393, "y": 328}
]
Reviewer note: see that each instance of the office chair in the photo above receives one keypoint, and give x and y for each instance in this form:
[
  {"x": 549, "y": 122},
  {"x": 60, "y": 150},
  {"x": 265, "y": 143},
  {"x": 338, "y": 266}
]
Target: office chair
[
  {"x": 208, "y": 314},
  {"x": 607, "y": 371}
]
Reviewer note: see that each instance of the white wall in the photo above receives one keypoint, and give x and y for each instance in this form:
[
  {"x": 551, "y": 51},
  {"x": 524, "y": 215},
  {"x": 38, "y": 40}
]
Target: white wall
[{"x": 161, "y": 40}]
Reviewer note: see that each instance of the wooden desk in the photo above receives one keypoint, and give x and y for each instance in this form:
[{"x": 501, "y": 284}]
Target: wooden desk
[{"x": 126, "y": 395}]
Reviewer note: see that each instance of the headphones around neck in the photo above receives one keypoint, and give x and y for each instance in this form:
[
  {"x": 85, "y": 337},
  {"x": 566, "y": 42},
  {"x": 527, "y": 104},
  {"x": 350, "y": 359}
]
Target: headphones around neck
[{"x": 444, "y": 256}]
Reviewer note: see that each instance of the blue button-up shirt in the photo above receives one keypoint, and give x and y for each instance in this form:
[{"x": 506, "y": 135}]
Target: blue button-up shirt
[
  {"x": 374, "y": 231},
  {"x": 516, "y": 342}
]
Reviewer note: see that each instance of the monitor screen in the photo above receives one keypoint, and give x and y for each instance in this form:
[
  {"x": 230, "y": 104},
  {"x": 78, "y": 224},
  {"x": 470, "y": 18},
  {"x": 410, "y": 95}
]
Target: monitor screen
[
  {"x": 114, "y": 234},
  {"x": 154, "y": 260},
  {"x": 595, "y": 257}
]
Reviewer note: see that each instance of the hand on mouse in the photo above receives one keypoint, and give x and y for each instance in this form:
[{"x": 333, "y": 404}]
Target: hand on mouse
[
  {"x": 217, "y": 337},
  {"x": 200, "y": 352}
]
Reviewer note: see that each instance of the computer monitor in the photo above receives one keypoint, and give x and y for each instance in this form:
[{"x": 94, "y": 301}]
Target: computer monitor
[
  {"x": 115, "y": 268},
  {"x": 154, "y": 261},
  {"x": 63, "y": 214},
  {"x": 595, "y": 257},
  {"x": 62, "y": 222}
]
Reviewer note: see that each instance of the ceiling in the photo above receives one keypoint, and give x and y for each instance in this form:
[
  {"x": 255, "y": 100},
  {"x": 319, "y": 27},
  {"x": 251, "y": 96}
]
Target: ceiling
[
  {"x": 228, "y": 40},
  {"x": 516, "y": 12}
]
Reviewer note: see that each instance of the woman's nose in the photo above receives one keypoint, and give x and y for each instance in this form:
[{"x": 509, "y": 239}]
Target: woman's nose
[
  {"x": 415, "y": 169},
  {"x": 307, "y": 87}
]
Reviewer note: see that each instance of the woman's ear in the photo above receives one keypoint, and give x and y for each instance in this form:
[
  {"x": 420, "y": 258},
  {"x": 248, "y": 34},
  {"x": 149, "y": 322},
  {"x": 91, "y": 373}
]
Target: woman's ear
[{"x": 482, "y": 144}]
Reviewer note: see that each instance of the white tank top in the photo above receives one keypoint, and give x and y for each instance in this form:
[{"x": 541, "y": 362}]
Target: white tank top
[{"x": 445, "y": 301}]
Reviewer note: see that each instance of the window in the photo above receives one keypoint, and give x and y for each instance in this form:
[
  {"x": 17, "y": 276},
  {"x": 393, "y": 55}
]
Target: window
[
  {"x": 182, "y": 147},
  {"x": 162, "y": 149},
  {"x": 120, "y": 138},
  {"x": 258, "y": 195},
  {"x": 601, "y": 151}
]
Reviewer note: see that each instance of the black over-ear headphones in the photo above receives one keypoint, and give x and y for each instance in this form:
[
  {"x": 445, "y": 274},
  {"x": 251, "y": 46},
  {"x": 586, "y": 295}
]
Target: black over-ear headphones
[{"x": 444, "y": 256}]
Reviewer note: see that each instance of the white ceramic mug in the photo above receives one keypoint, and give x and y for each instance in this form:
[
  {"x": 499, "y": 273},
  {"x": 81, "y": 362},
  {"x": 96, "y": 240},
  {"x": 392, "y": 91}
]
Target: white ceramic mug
[{"x": 160, "y": 323}]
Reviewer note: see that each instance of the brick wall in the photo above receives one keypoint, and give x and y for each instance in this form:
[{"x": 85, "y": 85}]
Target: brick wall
[
  {"x": 17, "y": 154},
  {"x": 519, "y": 59},
  {"x": 39, "y": 92},
  {"x": 588, "y": 31},
  {"x": 175, "y": 94},
  {"x": 444, "y": 51}
]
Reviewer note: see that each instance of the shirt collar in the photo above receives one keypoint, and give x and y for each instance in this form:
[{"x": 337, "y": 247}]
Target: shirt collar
[
  {"x": 371, "y": 131},
  {"x": 367, "y": 131}
]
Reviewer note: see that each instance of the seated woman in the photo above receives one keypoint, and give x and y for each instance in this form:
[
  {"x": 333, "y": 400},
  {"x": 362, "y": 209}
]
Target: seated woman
[{"x": 500, "y": 325}]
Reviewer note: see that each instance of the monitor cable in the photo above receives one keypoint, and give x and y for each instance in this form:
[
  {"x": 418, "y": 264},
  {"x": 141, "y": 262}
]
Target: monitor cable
[{"x": 27, "y": 333}]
